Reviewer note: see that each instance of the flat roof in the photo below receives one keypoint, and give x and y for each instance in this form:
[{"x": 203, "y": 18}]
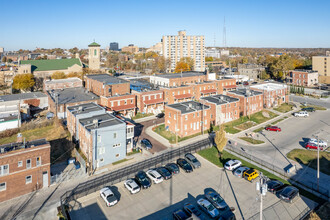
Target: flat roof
[
  {"x": 100, "y": 121},
  {"x": 68, "y": 80},
  {"x": 178, "y": 75},
  {"x": 245, "y": 92},
  {"x": 220, "y": 99},
  {"x": 72, "y": 95},
  {"x": 84, "y": 108},
  {"x": 22, "y": 96},
  {"x": 304, "y": 71},
  {"x": 107, "y": 79},
  {"x": 188, "y": 107},
  {"x": 269, "y": 86},
  {"x": 17, "y": 146}
]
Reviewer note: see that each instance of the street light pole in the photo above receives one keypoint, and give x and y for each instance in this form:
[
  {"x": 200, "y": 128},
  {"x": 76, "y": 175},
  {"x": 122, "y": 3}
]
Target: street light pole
[{"x": 318, "y": 163}]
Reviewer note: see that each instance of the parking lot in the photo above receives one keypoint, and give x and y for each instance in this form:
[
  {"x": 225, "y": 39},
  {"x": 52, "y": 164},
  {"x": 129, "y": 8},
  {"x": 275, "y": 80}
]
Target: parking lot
[{"x": 159, "y": 201}]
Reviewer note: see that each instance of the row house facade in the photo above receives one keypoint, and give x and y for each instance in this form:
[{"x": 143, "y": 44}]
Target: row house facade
[
  {"x": 303, "y": 77},
  {"x": 151, "y": 101},
  {"x": 187, "y": 118},
  {"x": 250, "y": 101},
  {"x": 123, "y": 104},
  {"x": 24, "y": 167},
  {"x": 274, "y": 94}
]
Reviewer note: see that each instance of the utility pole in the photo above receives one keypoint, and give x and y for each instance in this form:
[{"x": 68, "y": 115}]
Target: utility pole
[
  {"x": 261, "y": 187},
  {"x": 202, "y": 118},
  {"x": 176, "y": 129},
  {"x": 318, "y": 163}
]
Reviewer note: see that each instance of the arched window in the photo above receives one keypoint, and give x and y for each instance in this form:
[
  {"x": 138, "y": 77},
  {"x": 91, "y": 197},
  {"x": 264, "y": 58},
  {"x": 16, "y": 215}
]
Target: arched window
[{"x": 95, "y": 52}]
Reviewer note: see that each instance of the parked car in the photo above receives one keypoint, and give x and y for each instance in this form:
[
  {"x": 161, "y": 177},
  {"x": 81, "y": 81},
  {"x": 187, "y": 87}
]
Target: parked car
[
  {"x": 321, "y": 142},
  {"x": 301, "y": 114},
  {"x": 173, "y": 168},
  {"x": 309, "y": 109},
  {"x": 289, "y": 193},
  {"x": 143, "y": 180},
  {"x": 274, "y": 186},
  {"x": 132, "y": 186},
  {"x": 184, "y": 165},
  {"x": 254, "y": 82},
  {"x": 207, "y": 207},
  {"x": 154, "y": 176},
  {"x": 239, "y": 171},
  {"x": 190, "y": 208},
  {"x": 310, "y": 145},
  {"x": 245, "y": 83},
  {"x": 146, "y": 144},
  {"x": 250, "y": 174},
  {"x": 216, "y": 200},
  {"x": 160, "y": 115},
  {"x": 166, "y": 174},
  {"x": 273, "y": 128},
  {"x": 233, "y": 164},
  {"x": 192, "y": 160},
  {"x": 181, "y": 215},
  {"x": 108, "y": 196},
  {"x": 227, "y": 215}
]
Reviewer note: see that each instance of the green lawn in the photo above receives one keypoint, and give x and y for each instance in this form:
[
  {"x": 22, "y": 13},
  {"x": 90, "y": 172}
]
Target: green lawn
[
  {"x": 316, "y": 107},
  {"x": 140, "y": 115},
  {"x": 285, "y": 107},
  {"x": 170, "y": 136},
  {"x": 306, "y": 157},
  {"x": 258, "y": 129},
  {"x": 277, "y": 121},
  {"x": 251, "y": 140},
  {"x": 135, "y": 151},
  {"x": 121, "y": 161}
]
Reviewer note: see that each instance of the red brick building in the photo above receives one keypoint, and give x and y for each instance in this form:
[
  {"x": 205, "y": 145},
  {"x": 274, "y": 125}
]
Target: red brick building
[
  {"x": 124, "y": 104},
  {"x": 62, "y": 83},
  {"x": 187, "y": 118},
  {"x": 223, "y": 108},
  {"x": 274, "y": 94},
  {"x": 151, "y": 101},
  {"x": 250, "y": 101},
  {"x": 106, "y": 85},
  {"x": 303, "y": 77},
  {"x": 178, "y": 79},
  {"x": 24, "y": 168}
]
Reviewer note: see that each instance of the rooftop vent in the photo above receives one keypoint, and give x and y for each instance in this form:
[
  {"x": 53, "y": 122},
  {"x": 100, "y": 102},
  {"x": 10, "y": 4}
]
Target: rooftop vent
[{"x": 95, "y": 122}]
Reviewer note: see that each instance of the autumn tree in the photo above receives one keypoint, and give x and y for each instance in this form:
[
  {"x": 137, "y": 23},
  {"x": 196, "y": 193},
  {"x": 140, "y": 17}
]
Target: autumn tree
[
  {"x": 281, "y": 66},
  {"x": 189, "y": 61},
  {"x": 220, "y": 139},
  {"x": 4, "y": 59},
  {"x": 208, "y": 59},
  {"x": 23, "y": 82},
  {"x": 58, "y": 75},
  {"x": 181, "y": 67}
]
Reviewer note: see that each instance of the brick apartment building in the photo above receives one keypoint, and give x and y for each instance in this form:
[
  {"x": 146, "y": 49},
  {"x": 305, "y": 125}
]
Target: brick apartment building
[
  {"x": 187, "y": 118},
  {"x": 60, "y": 99},
  {"x": 251, "y": 101},
  {"x": 124, "y": 104},
  {"x": 106, "y": 85},
  {"x": 303, "y": 77},
  {"x": 177, "y": 79},
  {"x": 274, "y": 94},
  {"x": 24, "y": 167},
  {"x": 150, "y": 101},
  {"x": 62, "y": 83},
  {"x": 223, "y": 108},
  {"x": 102, "y": 138}
]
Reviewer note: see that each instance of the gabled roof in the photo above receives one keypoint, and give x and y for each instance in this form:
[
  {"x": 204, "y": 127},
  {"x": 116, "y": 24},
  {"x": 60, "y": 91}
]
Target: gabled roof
[
  {"x": 57, "y": 64},
  {"x": 94, "y": 44}
]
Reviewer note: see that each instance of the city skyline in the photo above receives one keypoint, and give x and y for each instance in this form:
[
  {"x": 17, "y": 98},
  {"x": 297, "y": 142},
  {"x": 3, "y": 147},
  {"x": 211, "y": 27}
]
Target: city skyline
[{"x": 293, "y": 24}]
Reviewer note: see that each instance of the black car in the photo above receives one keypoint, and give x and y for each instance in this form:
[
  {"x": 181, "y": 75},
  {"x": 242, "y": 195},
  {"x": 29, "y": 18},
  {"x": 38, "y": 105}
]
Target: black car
[
  {"x": 227, "y": 215},
  {"x": 146, "y": 144},
  {"x": 143, "y": 180},
  {"x": 184, "y": 165},
  {"x": 190, "y": 208},
  {"x": 310, "y": 109},
  {"x": 164, "y": 172},
  {"x": 181, "y": 215},
  {"x": 289, "y": 193},
  {"x": 274, "y": 186},
  {"x": 160, "y": 115},
  {"x": 173, "y": 168}
]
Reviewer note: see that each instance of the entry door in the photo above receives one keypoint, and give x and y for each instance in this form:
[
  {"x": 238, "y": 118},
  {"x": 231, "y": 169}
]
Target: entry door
[{"x": 44, "y": 179}]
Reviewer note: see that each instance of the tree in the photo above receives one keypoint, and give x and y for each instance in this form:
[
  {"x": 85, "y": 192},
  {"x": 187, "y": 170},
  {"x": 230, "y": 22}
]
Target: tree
[
  {"x": 181, "y": 67},
  {"x": 58, "y": 75},
  {"x": 281, "y": 66},
  {"x": 220, "y": 139},
  {"x": 207, "y": 59},
  {"x": 23, "y": 82},
  {"x": 189, "y": 61},
  {"x": 4, "y": 59}
]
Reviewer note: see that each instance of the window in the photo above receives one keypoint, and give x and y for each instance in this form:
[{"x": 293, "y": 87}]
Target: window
[
  {"x": 95, "y": 52},
  {"x": 117, "y": 155},
  {"x": 186, "y": 117},
  {"x": 116, "y": 145},
  {"x": 2, "y": 186},
  {"x": 38, "y": 161},
  {"x": 28, "y": 179},
  {"x": 28, "y": 164},
  {"x": 185, "y": 127},
  {"x": 169, "y": 114},
  {"x": 114, "y": 135},
  {"x": 131, "y": 101},
  {"x": 125, "y": 102},
  {"x": 101, "y": 150},
  {"x": 4, "y": 170},
  {"x": 118, "y": 103},
  {"x": 174, "y": 117},
  {"x": 20, "y": 164}
]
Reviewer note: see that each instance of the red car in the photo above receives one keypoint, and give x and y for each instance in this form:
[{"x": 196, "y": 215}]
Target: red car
[
  {"x": 273, "y": 128},
  {"x": 312, "y": 146}
]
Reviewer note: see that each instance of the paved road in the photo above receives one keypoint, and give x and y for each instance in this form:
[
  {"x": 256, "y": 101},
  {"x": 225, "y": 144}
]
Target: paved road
[
  {"x": 321, "y": 102},
  {"x": 140, "y": 134}
]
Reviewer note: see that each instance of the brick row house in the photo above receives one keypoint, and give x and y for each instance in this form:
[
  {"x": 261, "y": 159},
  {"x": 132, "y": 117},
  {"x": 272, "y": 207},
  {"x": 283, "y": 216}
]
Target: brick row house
[
  {"x": 124, "y": 104},
  {"x": 24, "y": 167},
  {"x": 303, "y": 77},
  {"x": 187, "y": 118},
  {"x": 274, "y": 94},
  {"x": 250, "y": 101},
  {"x": 150, "y": 101}
]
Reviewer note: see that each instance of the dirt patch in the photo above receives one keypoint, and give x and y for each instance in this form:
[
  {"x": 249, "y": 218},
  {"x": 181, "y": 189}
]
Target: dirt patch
[
  {"x": 265, "y": 114},
  {"x": 245, "y": 125}
]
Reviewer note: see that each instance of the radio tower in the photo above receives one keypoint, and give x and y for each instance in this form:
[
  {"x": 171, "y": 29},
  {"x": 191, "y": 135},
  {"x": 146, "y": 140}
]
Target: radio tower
[{"x": 224, "y": 42}]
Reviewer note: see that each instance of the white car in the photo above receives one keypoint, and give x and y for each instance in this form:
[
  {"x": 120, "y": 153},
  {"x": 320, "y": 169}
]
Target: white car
[
  {"x": 132, "y": 186},
  {"x": 301, "y": 114},
  {"x": 207, "y": 207},
  {"x": 233, "y": 164},
  {"x": 321, "y": 142},
  {"x": 155, "y": 176},
  {"x": 108, "y": 196}
]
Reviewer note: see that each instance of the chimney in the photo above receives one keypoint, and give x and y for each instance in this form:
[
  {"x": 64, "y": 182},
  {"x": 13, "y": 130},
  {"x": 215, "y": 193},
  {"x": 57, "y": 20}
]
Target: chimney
[{"x": 19, "y": 138}]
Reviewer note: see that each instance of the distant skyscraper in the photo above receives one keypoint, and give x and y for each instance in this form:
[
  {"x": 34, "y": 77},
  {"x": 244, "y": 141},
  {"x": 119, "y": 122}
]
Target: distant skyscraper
[
  {"x": 179, "y": 46},
  {"x": 114, "y": 46}
]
